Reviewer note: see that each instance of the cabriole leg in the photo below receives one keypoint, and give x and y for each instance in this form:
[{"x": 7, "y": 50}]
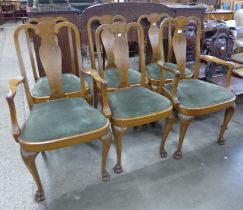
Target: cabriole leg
[
  {"x": 168, "y": 124},
  {"x": 118, "y": 133},
  {"x": 227, "y": 117},
  {"x": 29, "y": 160},
  {"x": 106, "y": 141},
  {"x": 184, "y": 123}
]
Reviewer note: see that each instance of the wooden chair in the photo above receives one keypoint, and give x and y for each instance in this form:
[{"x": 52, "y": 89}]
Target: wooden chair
[
  {"x": 193, "y": 97},
  {"x": 131, "y": 105},
  {"x": 61, "y": 121},
  {"x": 70, "y": 81},
  {"x": 153, "y": 69},
  {"x": 110, "y": 73}
]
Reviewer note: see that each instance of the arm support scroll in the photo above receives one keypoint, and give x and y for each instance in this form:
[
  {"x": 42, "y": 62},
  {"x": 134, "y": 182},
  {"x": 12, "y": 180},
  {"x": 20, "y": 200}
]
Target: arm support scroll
[
  {"x": 219, "y": 61},
  {"x": 175, "y": 81},
  {"x": 97, "y": 79},
  {"x": 10, "y": 99}
]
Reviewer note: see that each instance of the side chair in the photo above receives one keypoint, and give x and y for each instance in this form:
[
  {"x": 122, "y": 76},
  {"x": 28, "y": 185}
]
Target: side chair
[
  {"x": 130, "y": 105},
  {"x": 110, "y": 71},
  {"x": 60, "y": 121},
  {"x": 71, "y": 81},
  {"x": 193, "y": 97},
  {"x": 153, "y": 69}
]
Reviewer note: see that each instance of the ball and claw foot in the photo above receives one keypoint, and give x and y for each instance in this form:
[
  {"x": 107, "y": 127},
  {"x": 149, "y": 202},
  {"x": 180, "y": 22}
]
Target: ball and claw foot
[
  {"x": 39, "y": 196},
  {"x": 105, "y": 177},
  {"x": 163, "y": 154},
  {"x": 221, "y": 141},
  {"x": 118, "y": 169},
  {"x": 178, "y": 155}
]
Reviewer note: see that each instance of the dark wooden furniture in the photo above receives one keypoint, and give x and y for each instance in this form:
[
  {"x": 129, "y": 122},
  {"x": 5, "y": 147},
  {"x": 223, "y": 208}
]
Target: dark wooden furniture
[
  {"x": 8, "y": 10},
  {"x": 1, "y": 17},
  {"x": 131, "y": 11},
  {"x": 61, "y": 121},
  {"x": 193, "y": 97},
  {"x": 219, "y": 14},
  {"x": 148, "y": 106}
]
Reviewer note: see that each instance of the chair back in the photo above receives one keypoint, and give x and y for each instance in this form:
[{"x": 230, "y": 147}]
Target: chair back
[
  {"x": 178, "y": 42},
  {"x": 49, "y": 53},
  {"x": 153, "y": 21},
  {"x": 120, "y": 49},
  {"x": 106, "y": 37}
]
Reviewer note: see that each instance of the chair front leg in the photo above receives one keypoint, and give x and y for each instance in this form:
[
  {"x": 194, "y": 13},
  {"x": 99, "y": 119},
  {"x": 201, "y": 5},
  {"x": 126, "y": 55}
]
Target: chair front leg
[
  {"x": 106, "y": 141},
  {"x": 227, "y": 117},
  {"x": 29, "y": 160},
  {"x": 184, "y": 123},
  {"x": 168, "y": 124},
  {"x": 118, "y": 133}
]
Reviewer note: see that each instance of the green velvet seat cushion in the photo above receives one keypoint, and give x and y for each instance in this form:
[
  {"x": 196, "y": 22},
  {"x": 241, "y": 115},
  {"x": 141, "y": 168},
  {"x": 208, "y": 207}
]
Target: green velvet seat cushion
[
  {"x": 136, "y": 102},
  {"x": 113, "y": 78},
  {"x": 153, "y": 71},
  {"x": 61, "y": 118},
  {"x": 237, "y": 57},
  {"x": 193, "y": 93},
  {"x": 70, "y": 83}
]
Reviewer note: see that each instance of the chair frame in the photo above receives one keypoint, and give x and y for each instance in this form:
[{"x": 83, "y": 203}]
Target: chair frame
[
  {"x": 186, "y": 115},
  {"x": 153, "y": 37},
  {"x": 36, "y": 21},
  {"x": 106, "y": 37},
  {"x": 29, "y": 150},
  {"x": 121, "y": 55}
]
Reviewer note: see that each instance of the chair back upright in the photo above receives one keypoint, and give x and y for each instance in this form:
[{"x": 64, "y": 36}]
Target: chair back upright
[
  {"x": 49, "y": 53},
  {"x": 120, "y": 49},
  {"x": 154, "y": 21},
  {"x": 106, "y": 37},
  {"x": 179, "y": 41}
]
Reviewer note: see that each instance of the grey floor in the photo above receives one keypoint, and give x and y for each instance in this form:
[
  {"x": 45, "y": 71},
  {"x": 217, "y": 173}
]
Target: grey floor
[{"x": 208, "y": 177}]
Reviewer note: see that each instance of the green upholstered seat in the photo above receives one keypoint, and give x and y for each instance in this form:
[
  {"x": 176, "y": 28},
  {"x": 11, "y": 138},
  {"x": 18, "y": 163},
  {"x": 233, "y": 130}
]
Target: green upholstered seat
[
  {"x": 153, "y": 71},
  {"x": 136, "y": 102},
  {"x": 193, "y": 93},
  {"x": 70, "y": 83},
  {"x": 237, "y": 57},
  {"x": 61, "y": 118},
  {"x": 113, "y": 78}
]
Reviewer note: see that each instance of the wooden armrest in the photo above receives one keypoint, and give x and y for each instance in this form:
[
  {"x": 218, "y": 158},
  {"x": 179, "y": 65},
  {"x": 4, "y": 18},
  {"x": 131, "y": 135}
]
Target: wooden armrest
[
  {"x": 10, "y": 99},
  {"x": 95, "y": 75},
  {"x": 174, "y": 71},
  {"x": 175, "y": 81},
  {"x": 219, "y": 61},
  {"x": 97, "y": 78}
]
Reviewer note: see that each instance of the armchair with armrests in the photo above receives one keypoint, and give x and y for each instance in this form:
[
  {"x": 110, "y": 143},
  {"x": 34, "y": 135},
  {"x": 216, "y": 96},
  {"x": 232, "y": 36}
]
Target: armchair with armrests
[
  {"x": 131, "y": 105},
  {"x": 193, "y": 97},
  {"x": 153, "y": 69},
  {"x": 60, "y": 121},
  {"x": 71, "y": 82},
  {"x": 110, "y": 71}
]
